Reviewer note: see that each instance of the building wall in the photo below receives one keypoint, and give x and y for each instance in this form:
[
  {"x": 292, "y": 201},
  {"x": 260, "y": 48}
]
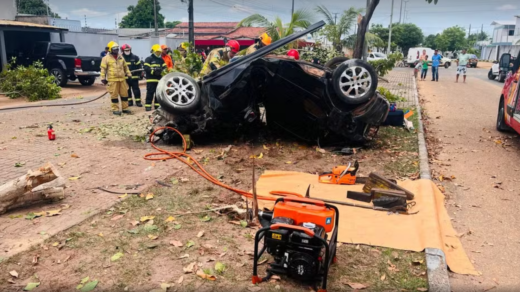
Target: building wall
[
  {"x": 501, "y": 34},
  {"x": 87, "y": 44},
  {"x": 71, "y": 25},
  {"x": 142, "y": 47},
  {"x": 8, "y": 9},
  {"x": 494, "y": 53}
]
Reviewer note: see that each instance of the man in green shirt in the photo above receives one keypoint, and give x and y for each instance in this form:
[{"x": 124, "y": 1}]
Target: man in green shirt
[{"x": 462, "y": 63}]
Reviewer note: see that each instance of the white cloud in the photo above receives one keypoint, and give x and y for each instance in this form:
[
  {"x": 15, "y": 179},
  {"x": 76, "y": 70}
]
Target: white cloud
[
  {"x": 88, "y": 12},
  {"x": 506, "y": 7}
]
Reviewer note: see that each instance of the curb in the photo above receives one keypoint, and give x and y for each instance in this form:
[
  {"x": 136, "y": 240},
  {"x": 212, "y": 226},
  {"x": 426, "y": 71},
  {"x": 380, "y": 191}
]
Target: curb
[{"x": 437, "y": 269}]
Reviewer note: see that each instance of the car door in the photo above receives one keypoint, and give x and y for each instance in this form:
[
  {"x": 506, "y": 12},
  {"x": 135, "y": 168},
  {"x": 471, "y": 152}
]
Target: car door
[
  {"x": 505, "y": 62},
  {"x": 513, "y": 96}
]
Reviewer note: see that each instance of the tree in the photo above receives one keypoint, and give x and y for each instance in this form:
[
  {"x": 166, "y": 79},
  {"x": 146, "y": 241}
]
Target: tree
[
  {"x": 407, "y": 35},
  {"x": 301, "y": 18},
  {"x": 476, "y": 37},
  {"x": 363, "y": 22},
  {"x": 452, "y": 39},
  {"x": 171, "y": 24},
  {"x": 35, "y": 7},
  {"x": 142, "y": 15},
  {"x": 335, "y": 30},
  {"x": 430, "y": 41},
  {"x": 380, "y": 31}
]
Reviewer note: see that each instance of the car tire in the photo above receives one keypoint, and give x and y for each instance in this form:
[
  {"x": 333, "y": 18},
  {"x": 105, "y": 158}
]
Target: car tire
[
  {"x": 335, "y": 62},
  {"x": 490, "y": 75},
  {"x": 87, "y": 81},
  {"x": 60, "y": 78},
  {"x": 178, "y": 93},
  {"x": 501, "y": 124},
  {"x": 350, "y": 77},
  {"x": 446, "y": 65},
  {"x": 502, "y": 77}
]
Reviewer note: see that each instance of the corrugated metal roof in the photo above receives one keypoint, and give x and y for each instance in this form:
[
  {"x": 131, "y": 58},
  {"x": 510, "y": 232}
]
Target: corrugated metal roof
[
  {"x": 13, "y": 23},
  {"x": 503, "y": 22}
]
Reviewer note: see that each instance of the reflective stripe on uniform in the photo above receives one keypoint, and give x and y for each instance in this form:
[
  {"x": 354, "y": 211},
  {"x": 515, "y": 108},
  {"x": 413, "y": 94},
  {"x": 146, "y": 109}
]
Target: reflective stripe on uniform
[
  {"x": 138, "y": 63},
  {"x": 147, "y": 105},
  {"x": 151, "y": 80},
  {"x": 124, "y": 98},
  {"x": 137, "y": 100},
  {"x": 157, "y": 104},
  {"x": 135, "y": 77}
]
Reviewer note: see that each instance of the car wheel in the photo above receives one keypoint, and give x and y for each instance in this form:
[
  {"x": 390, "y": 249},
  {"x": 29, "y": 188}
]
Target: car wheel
[
  {"x": 501, "y": 124},
  {"x": 59, "y": 76},
  {"x": 87, "y": 81},
  {"x": 502, "y": 77},
  {"x": 355, "y": 81},
  {"x": 490, "y": 75},
  {"x": 446, "y": 65},
  {"x": 334, "y": 62},
  {"x": 178, "y": 93}
]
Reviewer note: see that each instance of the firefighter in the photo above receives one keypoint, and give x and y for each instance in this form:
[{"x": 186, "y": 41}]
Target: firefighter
[
  {"x": 220, "y": 57},
  {"x": 183, "y": 49},
  {"x": 134, "y": 65},
  {"x": 114, "y": 72},
  {"x": 153, "y": 66},
  {"x": 262, "y": 41},
  {"x": 294, "y": 53},
  {"x": 167, "y": 59}
]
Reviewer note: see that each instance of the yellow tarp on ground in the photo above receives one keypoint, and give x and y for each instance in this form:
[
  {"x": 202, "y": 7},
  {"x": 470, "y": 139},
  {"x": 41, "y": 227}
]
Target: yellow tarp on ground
[{"x": 430, "y": 228}]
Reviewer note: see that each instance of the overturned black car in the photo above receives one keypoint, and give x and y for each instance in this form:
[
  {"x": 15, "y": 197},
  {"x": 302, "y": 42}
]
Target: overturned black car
[{"x": 334, "y": 103}]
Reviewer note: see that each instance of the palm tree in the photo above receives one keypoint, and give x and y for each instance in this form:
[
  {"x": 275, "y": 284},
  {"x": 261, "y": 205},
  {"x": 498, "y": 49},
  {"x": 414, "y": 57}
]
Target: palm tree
[
  {"x": 301, "y": 18},
  {"x": 335, "y": 30}
]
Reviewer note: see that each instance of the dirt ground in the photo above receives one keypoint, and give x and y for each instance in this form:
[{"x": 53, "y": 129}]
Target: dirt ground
[
  {"x": 483, "y": 198},
  {"x": 110, "y": 151}
]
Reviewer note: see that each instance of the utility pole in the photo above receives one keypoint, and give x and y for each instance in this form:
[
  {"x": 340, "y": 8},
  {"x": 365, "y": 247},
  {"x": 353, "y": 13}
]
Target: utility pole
[
  {"x": 469, "y": 31},
  {"x": 292, "y": 10},
  {"x": 85, "y": 20},
  {"x": 48, "y": 3},
  {"x": 404, "y": 17},
  {"x": 191, "y": 28},
  {"x": 400, "y": 11},
  {"x": 481, "y": 33},
  {"x": 155, "y": 17},
  {"x": 335, "y": 16},
  {"x": 390, "y": 29}
]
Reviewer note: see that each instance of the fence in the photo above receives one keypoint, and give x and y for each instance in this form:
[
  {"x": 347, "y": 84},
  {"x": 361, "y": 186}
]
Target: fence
[
  {"x": 87, "y": 44},
  {"x": 494, "y": 53}
]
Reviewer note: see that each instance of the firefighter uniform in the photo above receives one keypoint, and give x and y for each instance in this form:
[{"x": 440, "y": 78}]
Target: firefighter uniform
[
  {"x": 216, "y": 59},
  {"x": 153, "y": 66},
  {"x": 115, "y": 71},
  {"x": 134, "y": 63},
  {"x": 252, "y": 48}
]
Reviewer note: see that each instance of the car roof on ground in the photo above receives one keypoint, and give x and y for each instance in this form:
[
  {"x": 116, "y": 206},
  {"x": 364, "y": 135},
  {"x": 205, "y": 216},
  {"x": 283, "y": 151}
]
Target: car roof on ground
[{"x": 263, "y": 51}]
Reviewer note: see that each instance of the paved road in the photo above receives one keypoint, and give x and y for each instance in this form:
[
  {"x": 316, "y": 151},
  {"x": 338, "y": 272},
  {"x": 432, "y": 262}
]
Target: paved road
[
  {"x": 478, "y": 73},
  {"x": 483, "y": 200}
]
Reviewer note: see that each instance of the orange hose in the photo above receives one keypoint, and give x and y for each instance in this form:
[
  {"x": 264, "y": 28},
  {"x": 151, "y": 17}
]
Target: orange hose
[{"x": 165, "y": 155}]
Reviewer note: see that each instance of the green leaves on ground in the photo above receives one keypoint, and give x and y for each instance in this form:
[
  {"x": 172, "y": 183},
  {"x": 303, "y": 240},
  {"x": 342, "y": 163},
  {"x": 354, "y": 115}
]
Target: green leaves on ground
[
  {"x": 31, "y": 286},
  {"x": 89, "y": 286},
  {"x": 190, "y": 243},
  {"x": 220, "y": 267},
  {"x": 116, "y": 257},
  {"x": 206, "y": 218},
  {"x": 33, "y": 82}
]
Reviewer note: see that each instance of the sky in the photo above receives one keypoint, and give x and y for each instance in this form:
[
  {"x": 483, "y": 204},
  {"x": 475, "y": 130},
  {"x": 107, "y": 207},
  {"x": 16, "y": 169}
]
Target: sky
[{"x": 430, "y": 18}]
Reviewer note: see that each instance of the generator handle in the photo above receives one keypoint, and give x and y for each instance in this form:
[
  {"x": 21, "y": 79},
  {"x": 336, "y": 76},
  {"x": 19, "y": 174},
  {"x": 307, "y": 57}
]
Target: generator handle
[
  {"x": 260, "y": 233},
  {"x": 301, "y": 200},
  {"x": 294, "y": 227}
]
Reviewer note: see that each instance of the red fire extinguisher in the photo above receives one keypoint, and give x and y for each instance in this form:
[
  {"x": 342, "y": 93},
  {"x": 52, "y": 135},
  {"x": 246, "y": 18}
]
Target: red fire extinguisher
[{"x": 50, "y": 133}]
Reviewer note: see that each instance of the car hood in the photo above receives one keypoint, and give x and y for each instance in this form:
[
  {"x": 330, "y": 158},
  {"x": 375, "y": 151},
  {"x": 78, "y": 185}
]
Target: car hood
[{"x": 262, "y": 52}]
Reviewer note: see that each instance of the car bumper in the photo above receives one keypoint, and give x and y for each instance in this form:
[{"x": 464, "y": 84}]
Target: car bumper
[{"x": 81, "y": 73}]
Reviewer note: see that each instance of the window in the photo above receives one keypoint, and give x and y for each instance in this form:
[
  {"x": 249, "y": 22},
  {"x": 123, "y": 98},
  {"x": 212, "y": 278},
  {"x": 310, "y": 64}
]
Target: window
[
  {"x": 63, "y": 49},
  {"x": 40, "y": 49},
  {"x": 511, "y": 32}
]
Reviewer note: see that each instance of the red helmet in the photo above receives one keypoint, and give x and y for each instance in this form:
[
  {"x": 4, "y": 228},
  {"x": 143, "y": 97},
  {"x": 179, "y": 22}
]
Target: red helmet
[
  {"x": 126, "y": 47},
  {"x": 233, "y": 45},
  {"x": 294, "y": 54}
]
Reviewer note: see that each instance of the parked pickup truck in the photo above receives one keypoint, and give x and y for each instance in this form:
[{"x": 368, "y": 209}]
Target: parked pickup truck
[
  {"x": 63, "y": 62},
  {"x": 508, "y": 117}
]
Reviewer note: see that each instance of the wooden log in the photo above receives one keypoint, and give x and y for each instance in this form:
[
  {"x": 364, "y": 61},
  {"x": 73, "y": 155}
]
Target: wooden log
[
  {"x": 377, "y": 181},
  {"x": 13, "y": 192},
  {"x": 45, "y": 195}
]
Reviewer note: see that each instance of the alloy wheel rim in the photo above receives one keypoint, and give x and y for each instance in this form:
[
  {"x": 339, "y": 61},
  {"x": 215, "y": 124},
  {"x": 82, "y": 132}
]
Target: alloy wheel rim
[{"x": 355, "y": 82}]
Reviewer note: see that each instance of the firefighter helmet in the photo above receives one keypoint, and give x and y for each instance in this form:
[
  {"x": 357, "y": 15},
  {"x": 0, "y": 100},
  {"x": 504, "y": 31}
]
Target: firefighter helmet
[
  {"x": 294, "y": 54},
  {"x": 233, "y": 45},
  {"x": 265, "y": 39}
]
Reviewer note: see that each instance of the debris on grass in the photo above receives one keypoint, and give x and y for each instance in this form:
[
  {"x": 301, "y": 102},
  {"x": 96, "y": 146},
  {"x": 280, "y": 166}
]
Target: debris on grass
[{"x": 116, "y": 257}]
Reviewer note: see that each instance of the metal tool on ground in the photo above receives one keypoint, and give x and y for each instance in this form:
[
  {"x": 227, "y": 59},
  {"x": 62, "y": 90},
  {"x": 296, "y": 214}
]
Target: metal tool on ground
[
  {"x": 341, "y": 175},
  {"x": 378, "y": 181},
  {"x": 294, "y": 233},
  {"x": 359, "y": 196}
]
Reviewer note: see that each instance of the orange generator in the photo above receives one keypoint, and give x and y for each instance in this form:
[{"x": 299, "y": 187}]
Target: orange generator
[{"x": 294, "y": 233}]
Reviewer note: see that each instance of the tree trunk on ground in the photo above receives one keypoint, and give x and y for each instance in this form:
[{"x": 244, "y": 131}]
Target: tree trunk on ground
[
  {"x": 363, "y": 23},
  {"x": 43, "y": 184}
]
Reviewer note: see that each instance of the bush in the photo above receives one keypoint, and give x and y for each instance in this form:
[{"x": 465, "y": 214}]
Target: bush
[
  {"x": 384, "y": 66},
  {"x": 191, "y": 64},
  {"x": 389, "y": 95},
  {"x": 33, "y": 82},
  {"x": 322, "y": 54}
]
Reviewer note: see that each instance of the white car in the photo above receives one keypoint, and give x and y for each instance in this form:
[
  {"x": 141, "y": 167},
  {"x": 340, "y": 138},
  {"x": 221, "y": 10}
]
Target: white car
[{"x": 376, "y": 56}]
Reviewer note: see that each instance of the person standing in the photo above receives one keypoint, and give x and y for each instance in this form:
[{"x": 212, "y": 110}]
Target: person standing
[
  {"x": 436, "y": 61},
  {"x": 424, "y": 72},
  {"x": 104, "y": 53},
  {"x": 220, "y": 57},
  {"x": 167, "y": 59},
  {"x": 114, "y": 72},
  {"x": 262, "y": 41},
  {"x": 153, "y": 66},
  {"x": 135, "y": 66},
  {"x": 462, "y": 64}
]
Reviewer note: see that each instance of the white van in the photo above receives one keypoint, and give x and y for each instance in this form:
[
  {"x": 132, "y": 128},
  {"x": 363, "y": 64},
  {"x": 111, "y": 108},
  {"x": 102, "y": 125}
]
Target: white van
[{"x": 415, "y": 53}]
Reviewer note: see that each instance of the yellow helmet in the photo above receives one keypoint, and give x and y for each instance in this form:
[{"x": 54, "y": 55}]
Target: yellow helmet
[
  {"x": 265, "y": 39},
  {"x": 185, "y": 45},
  {"x": 156, "y": 48},
  {"x": 111, "y": 45}
]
